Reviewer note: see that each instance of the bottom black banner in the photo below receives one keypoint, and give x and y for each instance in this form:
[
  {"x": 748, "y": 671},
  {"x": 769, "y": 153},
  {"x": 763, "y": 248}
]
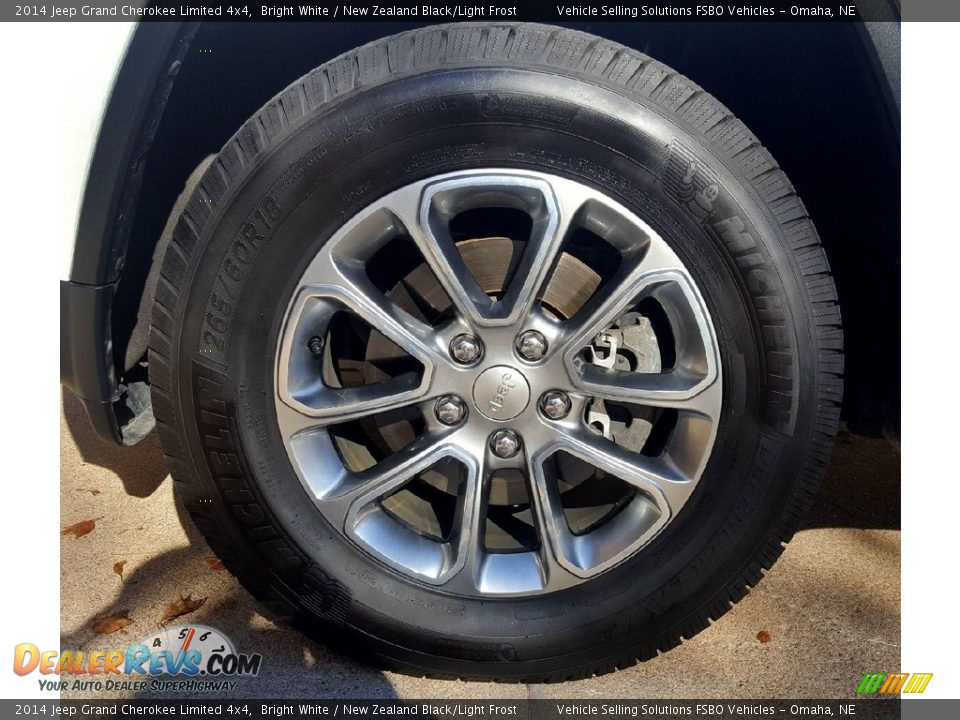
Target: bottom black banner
[{"x": 860, "y": 709}]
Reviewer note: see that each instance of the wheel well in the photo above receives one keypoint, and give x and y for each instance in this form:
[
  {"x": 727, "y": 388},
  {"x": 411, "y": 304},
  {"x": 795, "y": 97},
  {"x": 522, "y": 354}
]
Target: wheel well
[{"x": 810, "y": 92}]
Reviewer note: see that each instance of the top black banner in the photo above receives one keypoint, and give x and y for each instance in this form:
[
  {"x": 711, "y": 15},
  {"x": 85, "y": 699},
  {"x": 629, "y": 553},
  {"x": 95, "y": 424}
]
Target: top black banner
[{"x": 554, "y": 11}]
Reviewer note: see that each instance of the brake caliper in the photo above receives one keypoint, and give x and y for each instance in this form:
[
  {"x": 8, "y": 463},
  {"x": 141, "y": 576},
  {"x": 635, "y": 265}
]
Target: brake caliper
[{"x": 628, "y": 345}]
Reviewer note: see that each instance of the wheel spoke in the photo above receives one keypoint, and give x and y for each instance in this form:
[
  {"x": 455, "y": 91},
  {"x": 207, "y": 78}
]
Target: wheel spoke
[
  {"x": 663, "y": 483},
  {"x": 357, "y": 490},
  {"x": 640, "y": 270},
  {"x": 338, "y": 274},
  {"x": 557, "y": 553},
  {"x": 333, "y": 406},
  {"x": 550, "y": 227},
  {"x": 467, "y": 538},
  {"x": 673, "y": 389},
  {"x": 369, "y": 524},
  {"x": 413, "y": 335},
  {"x": 551, "y": 213},
  {"x": 299, "y": 382},
  {"x": 569, "y": 557},
  {"x": 412, "y": 210},
  {"x": 654, "y": 276}
]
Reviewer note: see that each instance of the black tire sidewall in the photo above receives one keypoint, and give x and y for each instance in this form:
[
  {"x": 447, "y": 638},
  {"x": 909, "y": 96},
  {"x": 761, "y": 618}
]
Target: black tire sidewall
[{"x": 382, "y": 138}]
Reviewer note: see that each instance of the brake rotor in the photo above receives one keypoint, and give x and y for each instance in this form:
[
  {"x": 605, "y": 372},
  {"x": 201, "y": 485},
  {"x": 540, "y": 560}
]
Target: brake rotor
[{"x": 490, "y": 260}]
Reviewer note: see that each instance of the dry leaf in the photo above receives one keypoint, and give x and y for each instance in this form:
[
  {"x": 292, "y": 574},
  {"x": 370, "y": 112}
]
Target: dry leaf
[
  {"x": 215, "y": 563},
  {"x": 92, "y": 491},
  {"x": 118, "y": 568},
  {"x": 763, "y": 636},
  {"x": 182, "y": 606},
  {"x": 78, "y": 530},
  {"x": 111, "y": 623}
]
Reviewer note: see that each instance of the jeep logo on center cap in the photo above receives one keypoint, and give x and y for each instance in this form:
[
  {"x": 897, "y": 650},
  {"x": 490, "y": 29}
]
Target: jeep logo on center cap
[{"x": 501, "y": 393}]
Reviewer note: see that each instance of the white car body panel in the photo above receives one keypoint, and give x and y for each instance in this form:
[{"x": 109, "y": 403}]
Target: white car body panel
[{"x": 95, "y": 51}]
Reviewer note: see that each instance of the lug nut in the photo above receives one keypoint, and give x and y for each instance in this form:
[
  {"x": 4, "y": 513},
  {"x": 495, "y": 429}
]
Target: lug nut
[
  {"x": 531, "y": 345},
  {"x": 505, "y": 443},
  {"x": 450, "y": 409},
  {"x": 555, "y": 404},
  {"x": 466, "y": 349}
]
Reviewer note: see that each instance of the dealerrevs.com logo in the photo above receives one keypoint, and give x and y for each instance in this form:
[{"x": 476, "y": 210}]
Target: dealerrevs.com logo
[{"x": 182, "y": 658}]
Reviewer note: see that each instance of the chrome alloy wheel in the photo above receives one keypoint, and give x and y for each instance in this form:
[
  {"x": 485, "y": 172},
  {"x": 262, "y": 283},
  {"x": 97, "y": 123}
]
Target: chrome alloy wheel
[{"x": 529, "y": 403}]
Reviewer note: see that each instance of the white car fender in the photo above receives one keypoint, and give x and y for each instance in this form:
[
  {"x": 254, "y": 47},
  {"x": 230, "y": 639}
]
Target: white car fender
[{"x": 96, "y": 51}]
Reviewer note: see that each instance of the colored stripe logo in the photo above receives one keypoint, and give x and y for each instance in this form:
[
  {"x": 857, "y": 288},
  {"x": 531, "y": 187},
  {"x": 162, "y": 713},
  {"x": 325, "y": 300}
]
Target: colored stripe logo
[{"x": 893, "y": 683}]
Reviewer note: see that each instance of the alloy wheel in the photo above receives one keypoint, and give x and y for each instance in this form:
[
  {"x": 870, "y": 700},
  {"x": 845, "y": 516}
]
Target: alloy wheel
[{"x": 498, "y": 382}]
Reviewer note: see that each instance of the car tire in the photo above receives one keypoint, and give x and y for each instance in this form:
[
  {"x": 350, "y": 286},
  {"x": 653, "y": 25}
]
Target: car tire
[{"x": 546, "y": 105}]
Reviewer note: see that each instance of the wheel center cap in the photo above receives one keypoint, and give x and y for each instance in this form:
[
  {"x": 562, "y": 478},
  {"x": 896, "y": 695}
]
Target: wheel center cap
[{"x": 501, "y": 392}]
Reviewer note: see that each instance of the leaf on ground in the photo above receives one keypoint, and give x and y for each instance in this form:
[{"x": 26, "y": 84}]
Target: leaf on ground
[
  {"x": 118, "y": 568},
  {"x": 78, "y": 530},
  {"x": 215, "y": 563},
  {"x": 181, "y": 606},
  {"x": 92, "y": 491},
  {"x": 763, "y": 636},
  {"x": 111, "y": 623}
]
